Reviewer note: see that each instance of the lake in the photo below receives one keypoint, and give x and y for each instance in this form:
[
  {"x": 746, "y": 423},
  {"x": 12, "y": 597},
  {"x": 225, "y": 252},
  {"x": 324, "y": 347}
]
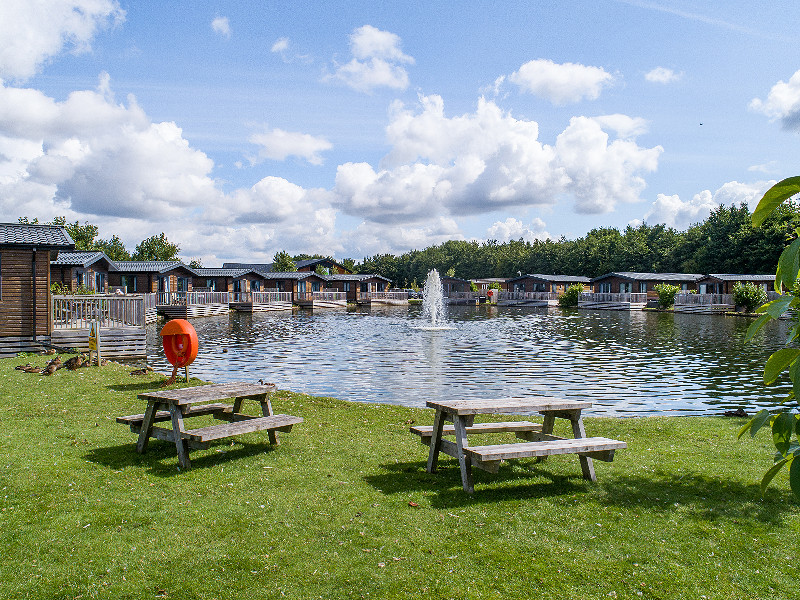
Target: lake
[{"x": 626, "y": 363}]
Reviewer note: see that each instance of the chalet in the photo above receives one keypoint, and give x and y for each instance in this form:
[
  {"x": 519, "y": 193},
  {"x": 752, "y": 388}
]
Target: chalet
[
  {"x": 230, "y": 280},
  {"x": 89, "y": 270},
  {"x": 353, "y": 285},
  {"x": 723, "y": 283},
  {"x": 556, "y": 284},
  {"x": 25, "y": 303},
  {"x": 626, "y": 282},
  {"x": 152, "y": 276},
  {"x": 485, "y": 283},
  {"x": 297, "y": 282},
  {"x": 455, "y": 285}
]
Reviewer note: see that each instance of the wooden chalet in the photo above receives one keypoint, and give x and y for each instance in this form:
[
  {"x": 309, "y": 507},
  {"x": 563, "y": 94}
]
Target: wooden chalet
[
  {"x": 89, "y": 270},
  {"x": 723, "y": 283},
  {"x": 555, "y": 284},
  {"x": 483, "y": 284},
  {"x": 25, "y": 305},
  {"x": 303, "y": 266},
  {"x": 146, "y": 276},
  {"x": 365, "y": 288},
  {"x": 229, "y": 280},
  {"x": 642, "y": 283}
]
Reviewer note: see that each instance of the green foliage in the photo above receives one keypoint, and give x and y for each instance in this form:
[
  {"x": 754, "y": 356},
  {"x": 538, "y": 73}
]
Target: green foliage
[
  {"x": 320, "y": 270},
  {"x": 113, "y": 248},
  {"x": 156, "y": 247},
  {"x": 571, "y": 296},
  {"x": 195, "y": 263},
  {"x": 283, "y": 263},
  {"x": 64, "y": 290},
  {"x": 749, "y": 295},
  {"x": 785, "y": 425},
  {"x": 495, "y": 285},
  {"x": 473, "y": 287},
  {"x": 666, "y": 294},
  {"x": 451, "y": 272}
]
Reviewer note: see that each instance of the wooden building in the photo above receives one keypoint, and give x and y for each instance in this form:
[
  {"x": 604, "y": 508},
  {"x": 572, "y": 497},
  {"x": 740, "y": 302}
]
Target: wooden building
[
  {"x": 151, "y": 276},
  {"x": 455, "y": 285},
  {"x": 230, "y": 280},
  {"x": 483, "y": 284},
  {"x": 25, "y": 304},
  {"x": 303, "y": 266},
  {"x": 723, "y": 283},
  {"x": 626, "y": 282},
  {"x": 357, "y": 286},
  {"x": 87, "y": 270},
  {"x": 555, "y": 284}
]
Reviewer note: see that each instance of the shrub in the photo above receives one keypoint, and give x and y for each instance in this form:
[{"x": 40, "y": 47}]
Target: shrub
[
  {"x": 571, "y": 296},
  {"x": 666, "y": 294},
  {"x": 749, "y": 295}
]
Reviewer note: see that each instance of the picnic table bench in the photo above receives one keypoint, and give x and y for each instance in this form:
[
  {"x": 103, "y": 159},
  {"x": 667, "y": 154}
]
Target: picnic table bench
[
  {"x": 176, "y": 405},
  {"x": 540, "y": 441}
]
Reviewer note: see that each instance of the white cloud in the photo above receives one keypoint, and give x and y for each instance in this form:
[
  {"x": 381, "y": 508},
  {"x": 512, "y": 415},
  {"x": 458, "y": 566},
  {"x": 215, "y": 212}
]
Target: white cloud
[
  {"x": 280, "y": 45},
  {"x": 782, "y": 103},
  {"x": 488, "y": 160},
  {"x": 222, "y": 26},
  {"x": 561, "y": 83},
  {"x": 662, "y": 75},
  {"x": 770, "y": 168},
  {"x": 674, "y": 212},
  {"x": 623, "y": 125},
  {"x": 278, "y": 144},
  {"x": 371, "y": 238},
  {"x": 377, "y": 61},
  {"x": 34, "y": 31},
  {"x": 512, "y": 229}
]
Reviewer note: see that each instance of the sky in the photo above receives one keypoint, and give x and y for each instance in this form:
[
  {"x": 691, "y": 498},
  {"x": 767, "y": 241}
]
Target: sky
[{"x": 240, "y": 129}]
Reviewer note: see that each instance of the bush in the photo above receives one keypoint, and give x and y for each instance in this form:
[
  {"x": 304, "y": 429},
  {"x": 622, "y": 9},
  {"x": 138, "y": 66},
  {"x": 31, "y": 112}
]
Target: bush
[
  {"x": 571, "y": 296},
  {"x": 749, "y": 295},
  {"x": 666, "y": 294}
]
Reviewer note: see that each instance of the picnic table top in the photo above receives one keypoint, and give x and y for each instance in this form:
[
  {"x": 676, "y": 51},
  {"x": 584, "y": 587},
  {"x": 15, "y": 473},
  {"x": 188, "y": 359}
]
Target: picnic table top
[
  {"x": 506, "y": 405},
  {"x": 210, "y": 393}
]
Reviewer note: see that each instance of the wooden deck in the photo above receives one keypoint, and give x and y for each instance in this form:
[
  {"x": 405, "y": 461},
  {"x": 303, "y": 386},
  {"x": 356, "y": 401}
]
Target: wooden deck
[
  {"x": 704, "y": 303},
  {"x": 605, "y": 301},
  {"x": 118, "y": 342},
  {"x": 527, "y": 299}
]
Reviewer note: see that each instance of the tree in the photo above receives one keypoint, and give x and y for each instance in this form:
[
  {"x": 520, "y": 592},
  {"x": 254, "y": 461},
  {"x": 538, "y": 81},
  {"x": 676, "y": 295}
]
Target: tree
[
  {"x": 666, "y": 294},
  {"x": 156, "y": 247},
  {"x": 571, "y": 296},
  {"x": 113, "y": 248},
  {"x": 283, "y": 263},
  {"x": 749, "y": 295},
  {"x": 785, "y": 424},
  {"x": 195, "y": 263},
  {"x": 320, "y": 270}
]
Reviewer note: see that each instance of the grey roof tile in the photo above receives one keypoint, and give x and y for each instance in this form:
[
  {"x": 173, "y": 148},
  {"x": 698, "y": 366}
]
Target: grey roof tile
[{"x": 51, "y": 236}]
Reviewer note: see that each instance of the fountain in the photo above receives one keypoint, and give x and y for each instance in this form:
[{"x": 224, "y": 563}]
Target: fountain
[{"x": 433, "y": 303}]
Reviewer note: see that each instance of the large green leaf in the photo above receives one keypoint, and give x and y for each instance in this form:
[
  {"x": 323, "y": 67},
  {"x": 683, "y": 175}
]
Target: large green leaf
[
  {"x": 782, "y": 429},
  {"x": 794, "y": 375},
  {"x": 778, "y": 362},
  {"x": 756, "y": 326},
  {"x": 754, "y": 424},
  {"x": 788, "y": 266},
  {"x": 783, "y": 190},
  {"x": 777, "y": 307},
  {"x": 769, "y": 475},
  {"x": 794, "y": 474}
]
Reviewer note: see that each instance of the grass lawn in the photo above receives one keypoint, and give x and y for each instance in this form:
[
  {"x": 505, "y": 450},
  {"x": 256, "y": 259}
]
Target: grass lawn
[{"x": 327, "y": 513}]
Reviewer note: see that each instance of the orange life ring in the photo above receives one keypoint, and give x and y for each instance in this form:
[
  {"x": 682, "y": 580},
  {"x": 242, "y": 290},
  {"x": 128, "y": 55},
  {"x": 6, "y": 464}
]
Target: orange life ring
[{"x": 179, "y": 339}]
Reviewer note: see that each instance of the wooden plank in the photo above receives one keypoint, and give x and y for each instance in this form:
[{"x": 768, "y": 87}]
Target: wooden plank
[
  {"x": 209, "y": 393},
  {"x": 510, "y": 427},
  {"x": 464, "y": 460},
  {"x": 215, "y": 432},
  {"x": 192, "y": 411},
  {"x": 451, "y": 449},
  {"x": 547, "y": 448},
  {"x": 506, "y": 405},
  {"x": 166, "y": 435}
]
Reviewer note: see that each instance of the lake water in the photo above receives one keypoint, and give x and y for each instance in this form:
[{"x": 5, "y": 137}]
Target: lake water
[{"x": 626, "y": 363}]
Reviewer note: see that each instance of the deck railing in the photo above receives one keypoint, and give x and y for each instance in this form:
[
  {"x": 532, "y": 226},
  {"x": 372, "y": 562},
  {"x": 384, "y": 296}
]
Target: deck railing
[
  {"x": 387, "y": 295},
  {"x": 266, "y": 297},
  {"x": 329, "y": 296},
  {"x": 527, "y": 295},
  {"x": 78, "y": 312},
  {"x": 703, "y": 299},
  {"x": 191, "y": 298},
  {"x": 462, "y": 295},
  {"x": 636, "y": 298}
]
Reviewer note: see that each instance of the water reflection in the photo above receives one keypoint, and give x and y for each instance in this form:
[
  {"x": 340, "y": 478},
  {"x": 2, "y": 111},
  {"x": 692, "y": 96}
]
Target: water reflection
[{"x": 624, "y": 362}]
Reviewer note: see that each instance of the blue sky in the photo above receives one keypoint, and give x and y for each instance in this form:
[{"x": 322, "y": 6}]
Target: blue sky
[{"x": 244, "y": 128}]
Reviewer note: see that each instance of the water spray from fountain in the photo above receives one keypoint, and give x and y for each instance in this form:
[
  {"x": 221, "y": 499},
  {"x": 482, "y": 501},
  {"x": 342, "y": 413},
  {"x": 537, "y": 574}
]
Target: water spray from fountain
[{"x": 433, "y": 302}]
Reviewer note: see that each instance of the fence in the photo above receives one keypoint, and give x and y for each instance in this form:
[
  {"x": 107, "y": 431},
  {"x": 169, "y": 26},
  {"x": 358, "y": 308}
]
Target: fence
[
  {"x": 387, "y": 295},
  {"x": 703, "y": 299},
  {"x": 261, "y": 297},
  {"x": 527, "y": 296},
  {"x": 78, "y": 312},
  {"x": 191, "y": 298}
]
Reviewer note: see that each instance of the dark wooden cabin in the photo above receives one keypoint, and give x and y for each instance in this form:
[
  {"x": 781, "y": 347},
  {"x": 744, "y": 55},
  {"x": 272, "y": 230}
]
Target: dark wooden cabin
[
  {"x": 352, "y": 284},
  {"x": 555, "y": 284},
  {"x": 723, "y": 283},
  {"x": 626, "y": 282},
  {"x": 25, "y": 305},
  {"x": 89, "y": 270},
  {"x": 152, "y": 276}
]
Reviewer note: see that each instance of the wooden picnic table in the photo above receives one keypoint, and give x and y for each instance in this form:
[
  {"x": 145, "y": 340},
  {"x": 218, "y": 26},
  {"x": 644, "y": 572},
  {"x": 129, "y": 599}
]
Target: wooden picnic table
[
  {"x": 174, "y": 406},
  {"x": 540, "y": 439}
]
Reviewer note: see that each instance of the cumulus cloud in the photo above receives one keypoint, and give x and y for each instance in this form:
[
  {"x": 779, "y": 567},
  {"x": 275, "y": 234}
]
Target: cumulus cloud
[
  {"x": 370, "y": 238},
  {"x": 488, "y": 160},
  {"x": 377, "y": 61},
  {"x": 222, "y": 26},
  {"x": 782, "y": 103},
  {"x": 513, "y": 229},
  {"x": 662, "y": 75},
  {"x": 278, "y": 144},
  {"x": 561, "y": 83},
  {"x": 674, "y": 212},
  {"x": 283, "y": 47},
  {"x": 280, "y": 45},
  {"x": 34, "y": 31}
]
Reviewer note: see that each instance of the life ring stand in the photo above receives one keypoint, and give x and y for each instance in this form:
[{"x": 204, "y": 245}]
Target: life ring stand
[{"x": 179, "y": 340}]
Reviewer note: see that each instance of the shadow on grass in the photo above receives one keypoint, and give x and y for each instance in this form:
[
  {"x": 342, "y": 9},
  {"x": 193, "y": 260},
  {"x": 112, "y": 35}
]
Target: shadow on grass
[
  {"x": 161, "y": 458},
  {"x": 703, "y": 497},
  {"x": 139, "y": 386}
]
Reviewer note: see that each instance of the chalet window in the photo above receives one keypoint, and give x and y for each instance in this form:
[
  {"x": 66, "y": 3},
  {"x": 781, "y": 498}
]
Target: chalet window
[
  {"x": 163, "y": 284},
  {"x": 183, "y": 284},
  {"x": 642, "y": 288},
  {"x": 381, "y": 286},
  {"x": 625, "y": 288},
  {"x": 100, "y": 282},
  {"x": 604, "y": 288},
  {"x": 128, "y": 282},
  {"x": 315, "y": 286},
  {"x": 255, "y": 286},
  {"x": 211, "y": 284},
  {"x": 346, "y": 286},
  {"x": 237, "y": 286},
  {"x": 684, "y": 286},
  {"x": 301, "y": 287}
]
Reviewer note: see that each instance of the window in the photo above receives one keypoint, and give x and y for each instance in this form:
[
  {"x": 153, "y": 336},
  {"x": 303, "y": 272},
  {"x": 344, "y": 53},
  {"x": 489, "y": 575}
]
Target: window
[
  {"x": 237, "y": 286},
  {"x": 183, "y": 284},
  {"x": 128, "y": 282},
  {"x": 625, "y": 288},
  {"x": 315, "y": 286},
  {"x": 604, "y": 288},
  {"x": 301, "y": 287},
  {"x": 642, "y": 287},
  {"x": 255, "y": 286},
  {"x": 163, "y": 284},
  {"x": 381, "y": 286},
  {"x": 100, "y": 282},
  {"x": 346, "y": 286},
  {"x": 211, "y": 284}
]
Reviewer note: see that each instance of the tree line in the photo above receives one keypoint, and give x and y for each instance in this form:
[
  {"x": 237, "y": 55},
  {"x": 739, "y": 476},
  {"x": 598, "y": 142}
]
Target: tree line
[{"x": 726, "y": 242}]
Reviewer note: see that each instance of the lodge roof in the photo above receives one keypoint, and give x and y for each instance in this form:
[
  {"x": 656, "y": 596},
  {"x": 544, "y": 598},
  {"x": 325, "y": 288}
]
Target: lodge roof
[
  {"x": 733, "y": 277},
  {"x": 25, "y": 234},
  {"x": 564, "y": 278},
  {"x": 223, "y": 272},
  {"x": 150, "y": 266},
  {"x": 354, "y": 277},
  {"x": 81, "y": 259},
  {"x": 688, "y": 277}
]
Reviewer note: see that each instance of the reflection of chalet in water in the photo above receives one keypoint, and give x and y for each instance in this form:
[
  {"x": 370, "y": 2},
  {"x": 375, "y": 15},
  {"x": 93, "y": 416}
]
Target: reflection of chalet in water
[
  {"x": 144, "y": 276},
  {"x": 25, "y": 301},
  {"x": 723, "y": 283},
  {"x": 556, "y": 284},
  {"x": 88, "y": 270}
]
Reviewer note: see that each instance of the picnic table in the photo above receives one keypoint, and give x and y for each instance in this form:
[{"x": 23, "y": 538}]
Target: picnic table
[
  {"x": 174, "y": 406},
  {"x": 540, "y": 441}
]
